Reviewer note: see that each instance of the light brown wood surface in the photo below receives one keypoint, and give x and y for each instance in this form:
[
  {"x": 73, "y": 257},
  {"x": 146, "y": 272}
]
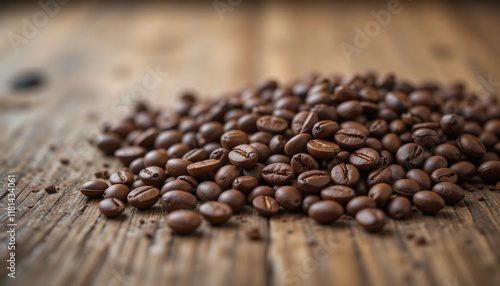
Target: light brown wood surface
[{"x": 95, "y": 55}]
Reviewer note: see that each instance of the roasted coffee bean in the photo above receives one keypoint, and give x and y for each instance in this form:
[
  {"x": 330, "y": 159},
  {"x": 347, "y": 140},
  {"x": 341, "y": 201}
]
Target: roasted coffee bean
[
  {"x": 322, "y": 149},
  {"x": 177, "y": 167},
  {"x": 167, "y": 138},
  {"x": 380, "y": 193},
  {"x": 340, "y": 194},
  {"x": 244, "y": 156},
  {"x": 226, "y": 175},
  {"x": 124, "y": 176},
  {"x": 464, "y": 170},
  {"x": 277, "y": 173},
  {"x": 450, "y": 192},
  {"x": 449, "y": 152},
  {"x": 136, "y": 184},
  {"x": 391, "y": 142},
  {"x": 378, "y": 128},
  {"x": 178, "y": 150},
  {"x": 245, "y": 184},
  {"x": 234, "y": 198},
  {"x": 156, "y": 158},
  {"x": 94, "y": 188},
  {"x": 433, "y": 163},
  {"x": 379, "y": 175},
  {"x": 345, "y": 174},
  {"x": 233, "y": 138},
  {"x": 143, "y": 197},
  {"x": 117, "y": 191},
  {"x": 183, "y": 221},
  {"x": 399, "y": 208},
  {"x": 111, "y": 207},
  {"x": 452, "y": 124},
  {"x": 371, "y": 219},
  {"x": 178, "y": 185},
  {"x": 208, "y": 191},
  {"x": 128, "y": 154},
  {"x": 470, "y": 145},
  {"x": 350, "y": 138},
  {"x": 325, "y": 212},
  {"x": 196, "y": 155},
  {"x": 488, "y": 139},
  {"x": 410, "y": 156},
  {"x": 265, "y": 205},
  {"x": 489, "y": 171},
  {"x": 397, "y": 100},
  {"x": 303, "y": 122},
  {"x": 256, "y": 171},
  {"x": 277, "y": 144},
  {"x": 221, "y": 154},
  {"x": 350, "y": 109},
  {"x": 358, "y": 203},
  {"x": 420, "y": 177},
  {"x": 374, "y": 144},
  {"x": 443, "y": 175},
  {"x": 297, "y": 144},
  {"x": 343, "y": 93},
  {"x": 325, "y": 129},
  {"x": 288, "y": 197},
  {"x": 204, "y": 168},
  {"x": 364, "y": 158},
  {"x": 153, "y": 176},
  {"x": 108, "y": 142},
  {"x": 260, "y": 191},
  {"x": 428, "y": 202},
  {"x": 216, "y": 213},
  {"x": 308, "y": 201},
  {"x": 397, "y": 172},
  {"x": 303, "y": 162},
  {"x": 176, "y": 200},
  {"x": 273, "y": 124},
  {"x": 147, "y": 138},
  {"x": 263, "y": 152},
  {"x": 120, "y": 127},
  {"x": 405, "y": 187},
  {"x": 426, "y": 138},
  {"x": 313, "y": 181},
  {"x": 211, "y": 131},
  {"x": 278, "y": 158}
]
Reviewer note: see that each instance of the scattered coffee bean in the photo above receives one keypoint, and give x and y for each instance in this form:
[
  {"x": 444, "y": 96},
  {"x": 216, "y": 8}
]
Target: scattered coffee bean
[
  {"x": 371, "y": 219},
  {"x": 183, "y": 221},
  {"x": 208, "y": 191},
  {"x": 345, "y": 174},
  {"x": 153, "y": 176},
  {"x": 117, "y": 191},
  {"x": 244, "y": 156},
  {"x": 94, "y": 188},
  {"x": 325, "y": 211},
  {"x": 111, "y": 207},
  {"x": 399, "y": 208},
  {"x": 176, "y": 200},
  {"x": 451, "y": 193},
  {"x": 313, "y": 181},
  {"x": 265, "y": 205},
  {"x": 143, "y": 197},
  {"x": 288, "y": 197},
  {"x": 358, "y": 203},
  {"x": 489, "y": 171},
  {"x": 234, "y": 198},
  {"x": 406, "y": 188},
  {"x": 277, "y": 173},
  {"x": 50, "y": 189},
  {"x": 428, "y": 202},
  {"x": 124, "y": 176},
  {"x": 216, "y": 212},
  {"x": 340, "y": 194},
  {"x": 381, "y": 193}
]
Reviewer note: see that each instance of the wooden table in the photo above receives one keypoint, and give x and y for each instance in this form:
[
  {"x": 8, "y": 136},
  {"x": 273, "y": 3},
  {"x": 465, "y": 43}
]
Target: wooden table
[{"x": 95, "y": 56}]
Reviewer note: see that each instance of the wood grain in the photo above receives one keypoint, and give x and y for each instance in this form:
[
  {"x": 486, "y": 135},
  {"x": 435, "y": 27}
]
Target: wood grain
[{"x": 95, "y": 55}]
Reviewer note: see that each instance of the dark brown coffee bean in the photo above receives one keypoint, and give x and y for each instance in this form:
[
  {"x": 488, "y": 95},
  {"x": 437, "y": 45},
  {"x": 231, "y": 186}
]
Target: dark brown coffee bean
[
  {"x": 381, "y": 193},
  {"x": 405, "y": 187},
  {"x": 391, "y": 142},
  {"x": 278, "y": 158},
  {"x": 345, "y": 174},
  {"x": 94, "y": 188},
  {"x": 428, "y": 202},
  {"x": 167, "y": 138},
  {"x": 111, "y": 207},
  {"x": 489, "y": 171},
  {"x": 263, "y": 151},
  {"x": 464, "y": 170},
  {"x": 277, "y": 174},
  {"x": 233, "y": 138},
  {"x": 108, "y": 142},
  {"x": 374, "y": 144},
  {"x": 196, "y": 155},
  {"x": 313, "y": 181},
  {"x": 176, "y": 200},
  {"x": 208, "y": 191},
  {"x": 120, "y": 127},
  {"x": 211, "y": 131},
  {"x": 244, "y": 156},
  {"x": 379, "y": 175},
  {"x": 397, "y": 173},
  {"x": 234, "y": 198},
  {"x": 221, "y": 154},
  {"x": 143, "y": 197},
  {"x": 488, "y": 139},
  {"x": 397, "y": 100},
  {"x": 288, "y": 197},
  {"x": 364, "y": 158},
  {"x": 297, "y": 144},
  {"x": 203, "y": 168},
  {"x": 371, "y": 219},
  {"x": 265, "y": 205},
  {"x": 153, "y": 176},
  {"x": 443, "y": 175},
  {"x": 137, "y": 184},
  {"x": 426, "y": 138},
  {"x": 399, "y": 208},
  {"x": 245, "y": 184},
  {"x": 124, "y": 176},
  {"x": 350, "y": 138},
  {"x": 433, "y": 163},
  {"x": 470, "y": 145},
  {"x": 147, "y": 138},
  {"x": 273, "y": 124},
  {"x": 350, "y": 109},
  {"x": 216, "y": 213},
  {"x": 378, "y": 128},
  {"x": 128, "y": 154},
  {"x": 452, "y": 124},
  {"x": 226, "y": 175},
  {"x": 358, "y": 203},
  {"x": 420, "y": 177},
  {"x": 277, "y": 144},
  {"x": 179, "y": 185},
  {"x": 303, "y": 162},
  {"x": 256, "y": 171},
  {"x": 340, "y": 194},
  {"x": 178, "y": 150},
  {"x": 325, "y": 129},
  {"x": 177, "y": 167},
  {"x": 183, "y": 221},
  {"x": 448, "y": 151},
  {"x": 260, "y": 191},
  {"x": 450, "y": 192},
  {"x": 410, "y": 156},
  {"x": 303, "y": 122},
  {"x": 322, "y": 149},
  {"x": 325, "y": 212},
  {"x": 156, "y": 158},
  {"x": 308, "y": 201},
  {"x": 117, "y": 191}
]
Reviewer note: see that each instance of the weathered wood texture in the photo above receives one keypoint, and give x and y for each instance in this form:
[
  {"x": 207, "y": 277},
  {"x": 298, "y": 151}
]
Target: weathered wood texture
[{"x": 96, "y": 55}]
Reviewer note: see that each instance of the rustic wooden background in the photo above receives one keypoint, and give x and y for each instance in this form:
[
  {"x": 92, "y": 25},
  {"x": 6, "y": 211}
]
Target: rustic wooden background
[{"x": 94, "y": 57}]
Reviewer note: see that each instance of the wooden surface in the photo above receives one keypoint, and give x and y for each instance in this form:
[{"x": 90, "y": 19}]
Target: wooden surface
[{"x": 94, "y": 55}]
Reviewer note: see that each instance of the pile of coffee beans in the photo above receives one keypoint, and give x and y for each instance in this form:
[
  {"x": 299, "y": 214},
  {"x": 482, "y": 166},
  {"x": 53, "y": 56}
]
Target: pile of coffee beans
[{"x": 363, "y": 146}]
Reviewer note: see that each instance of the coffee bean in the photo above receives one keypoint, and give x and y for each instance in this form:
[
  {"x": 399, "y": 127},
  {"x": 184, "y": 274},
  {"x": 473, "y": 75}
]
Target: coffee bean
[
  {"x": 350, "y": 109},
  {"x": 277, "y": 144},
  {"x": 263, "y": 152},
  {"x": 378, "y": 128},
  {"x": 425, "y": 137},
  {"x": 183, "y": 221},
  {"x": 156, "y": 158},
  {"x": 233, "y": 138},
  {"x": 420, "y": 177},
  {"x": 153, "y": 176},
  {"x": 176, "y": 200},
  {"x": 278, "y": 158},
  {"x": 450, "y": 192},
  {"x": 452, "y": 124},
  {"x": 325, "y": 212},
  {"x": 177, "y": 167},
  {"x": 203, "y": 168},
  {"x": 245, "y": 184},
  {"x": 397, "y": 100},
  {"x": 303, "y": 162},
  {"x": 374, "y": 144},
  {"x": 167, "y": 138},
  {"x": 255, "y": 171},
  {"x": 226, "y": 175},
  {"x": 345, "y": 174},
  {"x": 443, "y": 175},
  {"x": 399, "y": 208},
  {"x": 260, "y": 191},
  {"x": 325, "y": 129},
  {"x": 178, "y": 185},
  {"x": 143, "y": 197},
  {"x": 216, "y": 213},
  {"x": 303, "y": 122},
  {"x": 221, "y": 154},
  {"x": 288, "y": 197},
  {"x": 380, "y": 193},
  {"x": 448, "y": 151},
  {"x": 433, "y": 163},
  {"x": 391, "y": 142},
  {"x": 405, "y": 187},
  {"x": 117, "y": 191},
  {"x": 308, "y": 201},
  {"x": 94, "y": 188},
  {"x": 244, "y": 156},
  {"x": 470, "y": 145},
  {"x": 270, "y": 123},
  {"x": 111, "y": 207},
  {"x": 322, "y": 149},
  {"x": 297, "y": 144},
  {"x": 371, "y": 219},
  {"x": 196, "y": 155},
  {"x": 277, "y": 173},
  {"x": 211, "y": 131},
  {"x": 350, "y": 138},
  {"x": 358, "y": 203},
  {"x": 428, "y": 202},
  {"x": 265, "y": 205},
  {"x": 340, "y": 194},
  {"x": 147, "y": 138},
  {"x": 108, "y": 142},
  {"x": 208, "y": 191},
  {"x": 124, "y": 176},
  {"x": 313, "y": 181},
  {"x": 178, "y": 150},
  {"x": 234, "y": 198},
  {"x": 379, "y": 175},
  {"x": 410, "y": 155},
  {"x": 464, "y": 170},
  {"x": 488, "y": 171},
  {"x": 364, "y": 158},
  {"x": 128, "y": 154}
]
